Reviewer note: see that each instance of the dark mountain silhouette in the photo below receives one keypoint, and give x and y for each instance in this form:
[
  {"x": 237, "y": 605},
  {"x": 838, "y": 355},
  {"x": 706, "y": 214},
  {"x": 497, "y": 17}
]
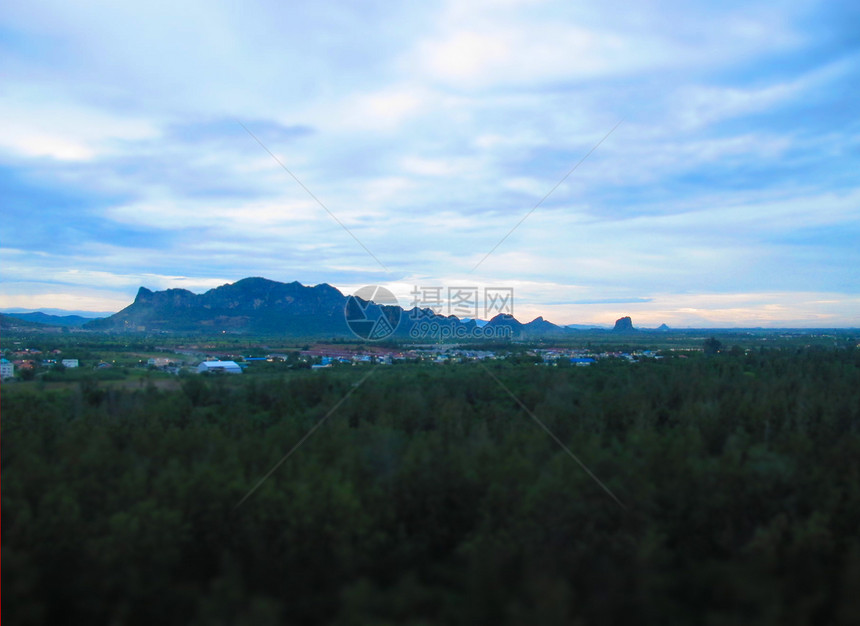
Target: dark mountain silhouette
[
  {"x": 623, "y": 325},
  {"x": 262, "y": 306},
  {"x": 504, "y": 321},
  {"x": 539, "y": 327},
  {"x": 250, "y": 305}
]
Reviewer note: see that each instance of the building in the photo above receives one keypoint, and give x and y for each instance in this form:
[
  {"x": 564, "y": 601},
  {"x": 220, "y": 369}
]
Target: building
[
  {"x": 7, "y": 369},
  {"x": 70, "y": 363},
  {"x": 223, "y": 367}
]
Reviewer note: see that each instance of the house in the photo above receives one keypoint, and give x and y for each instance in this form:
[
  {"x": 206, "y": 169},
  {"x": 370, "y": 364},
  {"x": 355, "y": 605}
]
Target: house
[
  {"x": 70, "y": 363},
  {"x": 7, "y": 369},
  {"x": 225, "y": 367},
  {"x": 581, "y": 361}
]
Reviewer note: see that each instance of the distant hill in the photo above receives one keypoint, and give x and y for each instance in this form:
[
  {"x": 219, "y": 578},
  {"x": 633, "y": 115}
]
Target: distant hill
[
  {"x": 586, "y": 327},
  {"x": 478, "y": 323},
  {"x": 52, "y": 320},
  {"x": 623, "y": 325},
  {"x": 505, "y": 320},
  {"x": 539, "y": 327},
  {"x": 7, "y": 322},
  {"x": 262, "y": 306}
]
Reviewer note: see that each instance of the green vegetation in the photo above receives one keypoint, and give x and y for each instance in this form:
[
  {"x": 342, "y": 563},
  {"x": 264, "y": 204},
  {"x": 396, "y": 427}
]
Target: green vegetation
[{"x": 430, "y": 497}]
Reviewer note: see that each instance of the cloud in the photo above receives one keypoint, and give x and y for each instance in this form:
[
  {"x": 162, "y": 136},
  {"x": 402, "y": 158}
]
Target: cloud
[
  {"x": 430, "y": 131},
  {"x": 64, "y": 130},
  {"x": 612, "y": 301},
  {"x": 487, "y": 44}
]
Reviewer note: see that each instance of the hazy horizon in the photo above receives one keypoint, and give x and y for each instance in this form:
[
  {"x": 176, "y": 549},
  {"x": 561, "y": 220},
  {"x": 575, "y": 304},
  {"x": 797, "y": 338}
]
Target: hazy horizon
[{"x": 520, "y": 317}]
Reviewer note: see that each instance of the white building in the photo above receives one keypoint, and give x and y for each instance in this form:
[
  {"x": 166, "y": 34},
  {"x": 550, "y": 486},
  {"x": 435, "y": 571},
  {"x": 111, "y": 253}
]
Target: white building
[
  {"x": 226, "y": 367},
  {"x": 70, "y": 362},
  {"x": 7, "y": 369}
]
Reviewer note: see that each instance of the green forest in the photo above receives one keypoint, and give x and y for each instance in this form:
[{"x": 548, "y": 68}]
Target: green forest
[{"x": 429, "y": 494}]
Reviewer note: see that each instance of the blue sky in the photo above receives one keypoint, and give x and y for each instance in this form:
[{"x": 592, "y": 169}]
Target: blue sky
[{"x": 729, "y": 195}]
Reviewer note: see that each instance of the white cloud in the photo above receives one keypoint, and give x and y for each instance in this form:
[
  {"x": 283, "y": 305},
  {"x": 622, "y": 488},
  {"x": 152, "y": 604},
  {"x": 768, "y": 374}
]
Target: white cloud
[
  {"x": 62, "y": 298},
  {"x": 223, "y": 215},
  {"x": 478, "y": 44},
  {"x": 702, "y": 105},
  {"x": 383, "y": 110},
  {"x": 47, "y": 124}
]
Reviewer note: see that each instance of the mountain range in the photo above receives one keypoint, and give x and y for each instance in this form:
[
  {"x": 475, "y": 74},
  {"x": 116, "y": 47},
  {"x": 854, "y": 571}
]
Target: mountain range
[
  {"x": 262, "y": 306},
  {"x": 266, "y": 307}
]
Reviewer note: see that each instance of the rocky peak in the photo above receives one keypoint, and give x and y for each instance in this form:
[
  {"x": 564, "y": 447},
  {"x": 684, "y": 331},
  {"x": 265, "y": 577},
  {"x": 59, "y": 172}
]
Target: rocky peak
[{"x": 623, "y": 325}]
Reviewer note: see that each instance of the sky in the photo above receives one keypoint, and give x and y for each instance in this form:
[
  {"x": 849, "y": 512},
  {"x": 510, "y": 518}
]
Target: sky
[{"x": 192, "y": 144}]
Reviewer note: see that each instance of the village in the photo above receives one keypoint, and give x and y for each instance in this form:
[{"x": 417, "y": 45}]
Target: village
[
  {"x": 327, "y": 357},
  {"x": 27, "y": 363}
]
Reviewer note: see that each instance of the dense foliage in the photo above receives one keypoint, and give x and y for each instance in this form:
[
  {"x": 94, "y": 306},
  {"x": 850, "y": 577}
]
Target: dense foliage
[{"x": 430, "y": 496}]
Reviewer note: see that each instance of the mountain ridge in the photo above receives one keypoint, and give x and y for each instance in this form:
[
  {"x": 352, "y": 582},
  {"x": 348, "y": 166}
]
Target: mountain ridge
[
  {"x": 39, "y": 317},
  {"x": 260, "y": 305}
]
